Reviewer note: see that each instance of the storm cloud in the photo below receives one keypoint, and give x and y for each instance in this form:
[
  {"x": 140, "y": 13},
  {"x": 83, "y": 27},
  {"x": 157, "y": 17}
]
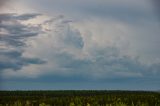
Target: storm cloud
[
  {"x": 70, "y": 52},
  {"x": 13, "y": 35},
  {"x": 75, "y": 44}
]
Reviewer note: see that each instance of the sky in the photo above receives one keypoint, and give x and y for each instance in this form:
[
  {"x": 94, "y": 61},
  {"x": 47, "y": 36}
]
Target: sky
[{"x": 79, "y": 45}]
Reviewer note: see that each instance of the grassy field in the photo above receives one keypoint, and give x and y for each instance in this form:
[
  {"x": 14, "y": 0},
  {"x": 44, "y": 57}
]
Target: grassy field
[{"x": 79, "y": 98}]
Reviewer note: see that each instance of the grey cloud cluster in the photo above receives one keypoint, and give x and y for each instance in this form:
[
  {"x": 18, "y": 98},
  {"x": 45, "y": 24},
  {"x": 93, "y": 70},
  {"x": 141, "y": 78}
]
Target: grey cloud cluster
[
  {"x": 13, "y": 32},
  {"x": 156, "y": 4},
  {"x": 70, "y": 53},
  {"x": 103, "y": 63},
  {"x": 15, "y": 61},
  {"x": 125, "y": 10},
  {"x": 102, "y": 41},
  {"x": 14, "y": 16},
  {"x": 67, "y": 49},
  {"x": 13, "y": 35}
]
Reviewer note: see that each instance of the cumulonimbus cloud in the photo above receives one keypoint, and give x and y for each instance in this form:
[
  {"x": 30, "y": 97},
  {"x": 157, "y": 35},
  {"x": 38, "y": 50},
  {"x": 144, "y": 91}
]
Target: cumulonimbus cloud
[{"x": 69, "y": 52}]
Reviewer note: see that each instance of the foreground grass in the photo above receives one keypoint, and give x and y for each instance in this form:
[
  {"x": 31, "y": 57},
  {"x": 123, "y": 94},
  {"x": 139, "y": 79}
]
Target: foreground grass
[{"x": 79, "y": 98}]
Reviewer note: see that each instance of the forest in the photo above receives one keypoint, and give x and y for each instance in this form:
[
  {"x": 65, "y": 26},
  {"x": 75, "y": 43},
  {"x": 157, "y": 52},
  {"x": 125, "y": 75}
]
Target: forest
[{"x": 79, "y": 98}]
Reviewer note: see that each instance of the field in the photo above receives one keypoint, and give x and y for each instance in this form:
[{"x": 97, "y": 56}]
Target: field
[{"x": 79, "y": 98}]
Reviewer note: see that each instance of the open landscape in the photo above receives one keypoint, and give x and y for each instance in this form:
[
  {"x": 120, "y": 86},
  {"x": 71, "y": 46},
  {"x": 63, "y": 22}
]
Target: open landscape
[{"x": 79, "y": 98}]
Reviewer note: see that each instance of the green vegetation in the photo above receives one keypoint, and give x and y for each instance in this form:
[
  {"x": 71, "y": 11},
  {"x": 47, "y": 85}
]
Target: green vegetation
[{"x": 79, "y": 98}]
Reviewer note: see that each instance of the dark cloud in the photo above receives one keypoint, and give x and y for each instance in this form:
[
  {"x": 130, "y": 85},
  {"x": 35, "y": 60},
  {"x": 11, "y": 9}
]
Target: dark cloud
[
  {"x": 156, "y": 4},
  {"x": 16, "y": 32},
  {"x": 14, "y": 16},
  {"x": 128, "y": 11},
  {"x": 13, "y": 36},
  {"x": 14, "y": 60}
]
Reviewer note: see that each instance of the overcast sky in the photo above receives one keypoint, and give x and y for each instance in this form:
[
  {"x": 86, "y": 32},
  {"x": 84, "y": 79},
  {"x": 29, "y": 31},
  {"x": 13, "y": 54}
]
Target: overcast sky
[{"x": 79, "y": 44}]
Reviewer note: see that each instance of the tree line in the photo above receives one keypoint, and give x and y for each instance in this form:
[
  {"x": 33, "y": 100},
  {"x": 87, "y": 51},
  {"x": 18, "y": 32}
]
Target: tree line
[{"x": 79, "y": 98}]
